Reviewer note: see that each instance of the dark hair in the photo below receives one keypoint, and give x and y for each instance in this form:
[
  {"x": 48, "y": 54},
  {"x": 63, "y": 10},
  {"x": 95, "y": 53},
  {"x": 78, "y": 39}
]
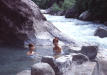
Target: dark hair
[
  {"x": 55, "y": 40},
  {"x": 30, "y": 45}
]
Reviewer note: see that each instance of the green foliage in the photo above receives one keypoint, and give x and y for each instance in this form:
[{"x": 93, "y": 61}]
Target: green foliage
[
  {"x": 67, "y": 4},
  {"x": 97, "y": 7},
  {"x": 42, "y": 3},
  {"x": 63, "y": 5},
  {"x": 56, "y": 8}
]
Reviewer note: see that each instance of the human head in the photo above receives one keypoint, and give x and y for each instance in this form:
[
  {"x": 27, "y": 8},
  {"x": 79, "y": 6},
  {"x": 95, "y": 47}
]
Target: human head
[
  {"x": 55, "y": 40},
  {"x": 56, "y": 37},
  {"x": 31, "y": 45}
]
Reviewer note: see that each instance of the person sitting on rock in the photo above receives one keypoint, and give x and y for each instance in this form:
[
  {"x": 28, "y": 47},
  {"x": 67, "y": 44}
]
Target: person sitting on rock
[
  {"x": 31, "y": 49},
  {"x": 55, "y": 40}
]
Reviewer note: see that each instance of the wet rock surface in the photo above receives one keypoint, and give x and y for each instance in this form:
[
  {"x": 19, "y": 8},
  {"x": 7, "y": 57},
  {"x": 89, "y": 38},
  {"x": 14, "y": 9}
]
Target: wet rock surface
[
  {"x": 80, "y": 58},
  {"x": 90, "y": 51},
  {"x": 86, "y": 15},
  {"x": 101, "y": 32},
  {"x": 42, "y": 69},
  {"x": 66, "y": 65},
  {"x": 25, "y": 72},
  {"x": 51, "y": 61}
]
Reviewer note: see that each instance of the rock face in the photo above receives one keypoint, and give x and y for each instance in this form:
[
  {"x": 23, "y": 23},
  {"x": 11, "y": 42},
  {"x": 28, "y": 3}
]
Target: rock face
[
  {"x": 42, "y": 69},
  {"x": 17, "y": 21},
  {"x": 90, "y": 51},
  {"x": 101, "y": 32},
  {"x": 21, "y": 21}
]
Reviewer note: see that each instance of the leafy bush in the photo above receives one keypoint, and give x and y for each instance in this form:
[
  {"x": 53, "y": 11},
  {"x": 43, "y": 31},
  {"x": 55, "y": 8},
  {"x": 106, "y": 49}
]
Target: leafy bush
[
  {"x": 67, "y": 4},
  {"x": 56, "y": 8},
  {"x": 98, "y": 8},
  {"x": 42, "y": 3},
  {"x": 63, "y": 5}
]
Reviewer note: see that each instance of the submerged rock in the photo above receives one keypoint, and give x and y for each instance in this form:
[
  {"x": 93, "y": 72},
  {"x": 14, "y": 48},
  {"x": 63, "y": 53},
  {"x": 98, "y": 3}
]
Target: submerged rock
[
  {"x": 42, "y": 69},
  {"x": 101, "y": 32}
]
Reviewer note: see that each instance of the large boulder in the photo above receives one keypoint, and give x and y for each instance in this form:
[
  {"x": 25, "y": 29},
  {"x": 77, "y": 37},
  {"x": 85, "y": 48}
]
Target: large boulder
[
  {"x": 17, "y": 21},
  {"x": 72, "y": 13},
  {"x": 42, "y": 69},
  {"x": 60, "y": 65},
  {"x": 21, "y": 22},
  {"x": 51, "y": 61},
  {"x": 86, "y": 15},
  {"x": 90, "y": 51},
  {"x": 101, "y": 32}
]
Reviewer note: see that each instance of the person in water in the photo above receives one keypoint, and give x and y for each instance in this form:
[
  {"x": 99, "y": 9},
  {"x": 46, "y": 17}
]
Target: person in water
[
  {"x": 57, "y": 51},
  {"x": 31, "y": 49},
  {"x": 55, "y": 41}
]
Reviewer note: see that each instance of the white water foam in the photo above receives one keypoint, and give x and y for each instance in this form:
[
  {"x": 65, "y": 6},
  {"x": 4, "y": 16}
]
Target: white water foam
[{"x": 81, "y": 31}]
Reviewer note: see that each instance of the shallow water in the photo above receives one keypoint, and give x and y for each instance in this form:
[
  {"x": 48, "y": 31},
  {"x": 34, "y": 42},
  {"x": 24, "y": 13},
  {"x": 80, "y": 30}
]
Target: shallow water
[{"x": 14, "y": 60}]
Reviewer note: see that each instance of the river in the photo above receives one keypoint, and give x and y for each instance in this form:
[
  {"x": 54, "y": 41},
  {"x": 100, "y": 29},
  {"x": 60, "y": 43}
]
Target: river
[{"x": 81, "y": 31}]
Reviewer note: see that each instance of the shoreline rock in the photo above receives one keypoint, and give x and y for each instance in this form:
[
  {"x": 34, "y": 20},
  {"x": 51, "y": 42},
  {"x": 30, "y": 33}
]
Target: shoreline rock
[{"x": 101, "y": 32}]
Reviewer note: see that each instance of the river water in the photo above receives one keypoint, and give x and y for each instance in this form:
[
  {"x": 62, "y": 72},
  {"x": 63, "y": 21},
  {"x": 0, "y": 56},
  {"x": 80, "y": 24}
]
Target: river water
[{"x": 81, "y": 31}]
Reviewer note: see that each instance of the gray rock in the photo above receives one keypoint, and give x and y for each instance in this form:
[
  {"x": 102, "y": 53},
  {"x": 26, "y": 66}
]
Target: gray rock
[
  {"x": 51, "y": 61},
  {"x": 64, "y": 64},
  {"x": 105, "y": 23},
  {"x": 24, "y": 72},
  {"x": 101, "y": 32},
  {"x": 17, "y": 21},
  {"x": 60, "y": 65},
  {"x": 89, "y": 51},
  {"x": 72, "y": 13},
  {"x": 80, "y": 58},
  {"x": 60, "y": 13},
  {"x": 42, "y": 69},
  {"x": 86, "y": 15}
]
